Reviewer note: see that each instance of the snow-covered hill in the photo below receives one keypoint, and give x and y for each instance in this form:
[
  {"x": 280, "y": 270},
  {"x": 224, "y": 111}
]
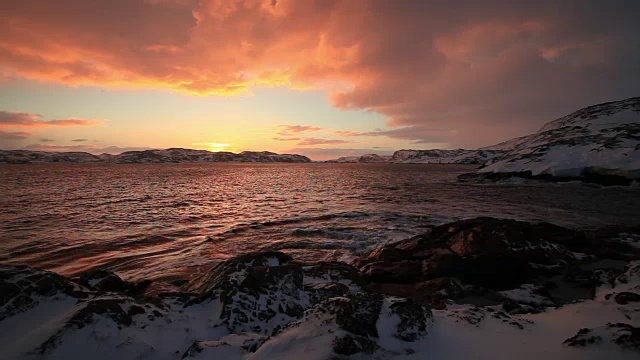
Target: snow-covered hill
[
  {"x": 367, "y": 158},
  {"x": 29, "y": 156},
  {"x": 438, "y": 156},
  {"x": 602, "y": 139},
  {"x": 174, "y": 155},
  {"x": 435, "y": 156}
]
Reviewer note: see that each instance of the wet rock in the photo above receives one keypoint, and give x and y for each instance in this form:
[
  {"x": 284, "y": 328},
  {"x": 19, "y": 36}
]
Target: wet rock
[
  {"x": 319, "y": 292},
  {"x": 403, "y": 271},
  {"x": 231, "y": 272},
  {"x": 434, "y": 292},
  {"x": 485, "y": 254},
  {"x": 103, "y": 280},
  {"x": 333, "y": 271}
]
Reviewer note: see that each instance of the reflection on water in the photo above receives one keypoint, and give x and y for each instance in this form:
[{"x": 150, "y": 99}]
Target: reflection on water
[{"x": 162, "y": 220}]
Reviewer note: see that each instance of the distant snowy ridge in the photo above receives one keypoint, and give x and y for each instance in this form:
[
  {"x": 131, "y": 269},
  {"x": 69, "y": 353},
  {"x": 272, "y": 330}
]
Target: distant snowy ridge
[
  {"x": 435, "y": 156},
  {"x": 367, "y": 158},
  {"x": 438, "y": 156},
  {"x": 602, "y": 139},
  {"x": 173, "y": 155}
]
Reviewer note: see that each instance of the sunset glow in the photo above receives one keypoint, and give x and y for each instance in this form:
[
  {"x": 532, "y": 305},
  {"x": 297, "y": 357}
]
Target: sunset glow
[{"x": 371, "y": 76}]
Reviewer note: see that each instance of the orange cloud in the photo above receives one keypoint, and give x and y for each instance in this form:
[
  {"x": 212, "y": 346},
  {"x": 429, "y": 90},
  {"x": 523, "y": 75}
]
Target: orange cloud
[
  {"x": 320, "y": 141},
  {"x": 490, "y": 70},
  {"x": 23, "y": 119}
]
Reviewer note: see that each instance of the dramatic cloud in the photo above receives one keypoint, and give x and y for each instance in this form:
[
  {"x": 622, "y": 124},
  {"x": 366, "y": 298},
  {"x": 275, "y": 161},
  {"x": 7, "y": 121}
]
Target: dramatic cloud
[
  {"x": 419, "y": 133},
  {"x": 13, "y": 135},
  {"x": 80, "y": 140},
  {"x": 23, "y": 119},
  {"x": 320, "y": 141},
  {"x": 478, "y": 72},
  {"x": 45, "y": 140}
]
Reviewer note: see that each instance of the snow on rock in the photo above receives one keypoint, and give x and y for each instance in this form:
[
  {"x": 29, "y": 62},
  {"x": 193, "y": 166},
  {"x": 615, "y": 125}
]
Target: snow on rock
[
  {"x": 602, "y": 140},
  {"x": 30, "y": 156},
  {"x": 363, "y": 324},
  {"x": 260, "y": 292},
  {"x": 366, "y": 158},
  {"x": 438, "y": 156},
  {"x": 266, "y": 306},
  {"x": 528, "y": 294},
  {"x": 434, "y": 156},
  {"x": 228, "y": 347},
  {"x": 510, "y": 145}
]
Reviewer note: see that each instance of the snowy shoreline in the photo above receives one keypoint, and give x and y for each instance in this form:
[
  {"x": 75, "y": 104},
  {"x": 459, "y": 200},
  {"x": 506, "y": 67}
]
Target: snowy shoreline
[{"x": 481, "y": 288}]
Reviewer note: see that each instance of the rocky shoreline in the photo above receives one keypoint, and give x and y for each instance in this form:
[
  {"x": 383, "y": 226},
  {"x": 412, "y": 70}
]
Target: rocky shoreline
[
  {"x": 482, "y": 277},
  {"x": 586, "y": 177}
]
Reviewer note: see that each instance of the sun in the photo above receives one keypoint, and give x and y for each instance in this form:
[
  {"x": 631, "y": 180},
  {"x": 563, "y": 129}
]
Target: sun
[{"x": 214, "y": 146}]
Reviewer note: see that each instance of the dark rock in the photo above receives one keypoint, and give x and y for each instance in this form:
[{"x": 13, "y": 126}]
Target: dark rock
[
  {"x": 403, "y": 271},
  {"x": 139, "y": 288},
  {"x": 260, "y": 292},
  {"x": 361, "y": 315},
  {"x": 389, "y": 254},
  {"x": 626, "y": 297},
  {"x": 483, "y": 253},
  {"x": 333, "y": 271},
  {"x": 350, "y": 345},
  {"x": 413, "y": 319},
  {"x": 621, "y": 334},
  {"x": 179, "y": 282},
  {"x": 514, "y": 308},
  {"x": 110, "y": 308},
  {"x": 103, "y": 280},
  {"x": 625, "y": 335},
  {"x": 21, "y": 289},
  {"x": 249, "y": 342},
  {"x": 219, "y": 275},
  {"x": 319, "y": 292}
]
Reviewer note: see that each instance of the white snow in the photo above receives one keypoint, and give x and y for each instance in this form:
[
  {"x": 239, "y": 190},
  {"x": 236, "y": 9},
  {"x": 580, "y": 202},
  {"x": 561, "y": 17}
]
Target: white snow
[{"x": 599, "y": 139}]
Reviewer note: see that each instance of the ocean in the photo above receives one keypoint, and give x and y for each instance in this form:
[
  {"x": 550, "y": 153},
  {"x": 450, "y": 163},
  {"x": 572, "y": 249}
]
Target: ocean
[{"x": 167, "y": 221}]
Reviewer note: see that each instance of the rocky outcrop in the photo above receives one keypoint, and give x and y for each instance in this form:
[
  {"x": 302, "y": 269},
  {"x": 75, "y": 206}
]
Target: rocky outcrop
[
  {"x": 23, "y": 288},
  {"x": 503, "y": 260},
  {"x": 259, "y": 292}
]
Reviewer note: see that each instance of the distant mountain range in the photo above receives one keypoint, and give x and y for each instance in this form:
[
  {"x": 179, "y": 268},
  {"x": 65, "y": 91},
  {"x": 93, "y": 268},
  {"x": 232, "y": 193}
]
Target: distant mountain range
[
  {"x": 434, "y": 156},
  {"x": 600, "y": 140},
  {"x": 174, "y": 155}
]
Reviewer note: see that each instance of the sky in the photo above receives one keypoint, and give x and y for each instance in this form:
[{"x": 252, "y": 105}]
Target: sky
[{"x": 322, "y": 78}]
